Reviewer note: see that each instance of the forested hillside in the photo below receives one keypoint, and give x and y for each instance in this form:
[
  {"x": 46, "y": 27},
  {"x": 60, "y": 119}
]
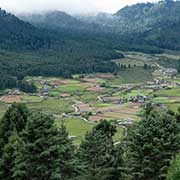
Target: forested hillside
[
  {"x": 61, "y": 45},
  {"x": 36, "y": 51},
  {"x": 140, "y": 25},
  {"x": 16, "y": 34},
  {"x": 153, "y": 24}
]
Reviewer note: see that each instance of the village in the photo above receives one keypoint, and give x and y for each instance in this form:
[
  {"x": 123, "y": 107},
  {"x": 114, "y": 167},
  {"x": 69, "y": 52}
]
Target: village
[
  {"x": 94, "y": 97},
  {"x": 121, "y": 103}
]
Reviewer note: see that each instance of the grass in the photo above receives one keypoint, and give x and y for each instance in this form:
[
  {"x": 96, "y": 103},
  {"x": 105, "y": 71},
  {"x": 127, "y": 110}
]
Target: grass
[
  {"x": 132, "y": 75},
  {"x": 168, "y": 60},
  {"x": 40, "y": 78},
  {"x": 119, "y": 134},
  {"x": 174, "y": 106},
  {"x": 31, "y": 99},
  {"x": 88, "y": 97},
  {"x": 177, "y": 80},
  {"x": 162, "y": 100},
  {"x": 133, "y": 93},
  {"x": 117, "y": 115},
  {"x": 54, "y": 93},
  {"x": 102, "y": 105},
  {"x": 133, "y": 62},
  {"x": 168, "y": 93},
  {"x": 53, "y": 106},
  {"x": 78, "y": 128},
  {"x": 72, "y": 88}
]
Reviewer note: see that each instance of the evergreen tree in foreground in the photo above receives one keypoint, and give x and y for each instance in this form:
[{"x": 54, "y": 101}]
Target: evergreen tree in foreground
[
  {"x": 97, "y": 156},
  {"x": 14, "y": 120},
  {"x": 150, "y": 145},
  {"x": 45, "y": 153},
  {"x": 8, "y": 157},
  {"x": 174, "y": 169}
]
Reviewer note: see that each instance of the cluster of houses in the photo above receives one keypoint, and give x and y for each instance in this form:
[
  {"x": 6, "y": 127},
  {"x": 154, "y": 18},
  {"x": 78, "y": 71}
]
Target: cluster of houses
[
  {"x": 44, "y": 89},
  {"x": 125, "y": 122},
  {"x": 138, "y": 99},
  {"x": 168, "y": 72}
]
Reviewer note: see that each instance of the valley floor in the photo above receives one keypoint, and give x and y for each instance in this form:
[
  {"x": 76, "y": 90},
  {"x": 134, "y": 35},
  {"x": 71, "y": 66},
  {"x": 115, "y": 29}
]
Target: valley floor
[{"x": 86, "y": 99}]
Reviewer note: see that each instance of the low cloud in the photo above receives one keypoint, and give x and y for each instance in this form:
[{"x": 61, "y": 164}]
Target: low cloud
[{"x": 70, "y": 6}]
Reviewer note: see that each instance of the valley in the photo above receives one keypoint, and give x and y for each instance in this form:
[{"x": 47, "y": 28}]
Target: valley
[
  {"x": 86, "y": 99},
  {"x": 89, "y": 96}
]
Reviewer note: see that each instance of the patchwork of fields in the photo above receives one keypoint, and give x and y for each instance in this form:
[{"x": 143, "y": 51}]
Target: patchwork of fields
[{"x": 86, "y": 99}]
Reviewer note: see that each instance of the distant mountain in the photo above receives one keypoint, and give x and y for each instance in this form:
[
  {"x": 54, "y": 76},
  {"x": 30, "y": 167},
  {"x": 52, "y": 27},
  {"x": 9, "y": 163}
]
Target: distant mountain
[
  {"x": 103, "y": 19},
  {"x": 57, "y": 20},
  {"x": 142, "y": 24},
  {"x": 54, "y": 19},
  {"x": 146, "y": 15},
  {"x": 154, "y": 24},
  {"x": 16, "y": 34}
]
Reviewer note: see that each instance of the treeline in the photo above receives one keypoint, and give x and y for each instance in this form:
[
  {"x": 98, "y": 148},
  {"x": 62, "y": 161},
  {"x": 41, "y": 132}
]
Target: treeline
[
  {"x": 16, "y": 66},
  {"x": 32, "y": 147},
  {"x": 18, "y": 35},
  {"x": 12, "y": 82}
]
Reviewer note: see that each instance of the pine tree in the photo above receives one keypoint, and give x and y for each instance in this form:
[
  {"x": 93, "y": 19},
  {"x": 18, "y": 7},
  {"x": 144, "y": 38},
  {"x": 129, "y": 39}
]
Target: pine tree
[
  {"x": 97, "y": 155},
  {"x": 145, "y": 66},
  {"x": 14, "y": 120},
  {"x": 45, "y": 152},
  {"x": 174, "y": 169},
  {"x": 8, "y": 157},
  {"x": 150, "y": 145},
  {"x": 178, "y": 68}
]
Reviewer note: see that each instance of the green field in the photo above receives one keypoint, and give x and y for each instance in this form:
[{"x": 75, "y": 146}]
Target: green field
[
  {"x": 174, "y": 106},
  {"x": 132, "y": 75},
  {"x": 72, "y": 88},
  {"x": 102, "y": 105},
  {"x": 133, "y": 93},
  {"x": 31, "y": 99},
  {"x": 53, "y": 106},
  {"x": 136, "y": 61},
  {"x": 54, "y": 93},
  {"x": 162, "y": 100},
  {"x": 88, "y": 97},
  {"x": 77, "y": 128},
  {"x": 168, "y": 93}
]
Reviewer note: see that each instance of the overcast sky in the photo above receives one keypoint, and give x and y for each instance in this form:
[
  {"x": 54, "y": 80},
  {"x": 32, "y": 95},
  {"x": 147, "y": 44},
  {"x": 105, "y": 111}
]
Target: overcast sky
[{"x": 70, "y": 6}]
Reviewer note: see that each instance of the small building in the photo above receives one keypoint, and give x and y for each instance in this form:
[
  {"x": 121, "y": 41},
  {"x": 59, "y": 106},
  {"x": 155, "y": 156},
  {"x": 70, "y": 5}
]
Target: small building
[
  {"x": 127, "y": 121},
  {"x": 171, "y": 71},
  {"x": 44, "y": 91},
  {"x": 138, "y": 98}
]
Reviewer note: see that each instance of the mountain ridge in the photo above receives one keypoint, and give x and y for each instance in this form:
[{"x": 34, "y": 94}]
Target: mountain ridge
[{"x": 17, "y": 34}]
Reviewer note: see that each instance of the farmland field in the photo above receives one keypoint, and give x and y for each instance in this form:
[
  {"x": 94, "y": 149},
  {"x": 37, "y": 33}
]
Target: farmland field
[
  {"x": 132, "y": 75},
  {"x": 72, "y": 88},
  {"x": 77, "y": 129},
  {"x": 81, "y": 102},
  {"x": 169, "y": 93}
]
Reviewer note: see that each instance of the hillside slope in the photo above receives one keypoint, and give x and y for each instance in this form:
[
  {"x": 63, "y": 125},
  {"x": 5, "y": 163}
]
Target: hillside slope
[
  {"x": 19, "y": 35},
  {"x": 153, "y": 24}
]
